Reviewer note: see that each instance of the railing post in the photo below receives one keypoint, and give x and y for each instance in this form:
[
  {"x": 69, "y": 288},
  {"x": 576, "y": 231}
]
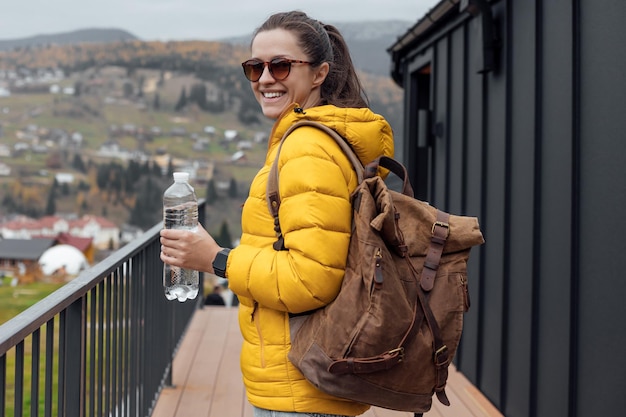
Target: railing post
[
  {"x": 34, "y": 380},
  {"x": 74, "y": 383},
  {"x": 170, "y": 347},
  {"x": 3, "y": 385},
  {"x": 19, "y": 379}
]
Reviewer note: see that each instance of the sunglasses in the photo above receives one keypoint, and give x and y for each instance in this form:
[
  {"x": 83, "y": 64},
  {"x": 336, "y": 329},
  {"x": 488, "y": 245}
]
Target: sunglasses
[{"x": 279, "y": 68}]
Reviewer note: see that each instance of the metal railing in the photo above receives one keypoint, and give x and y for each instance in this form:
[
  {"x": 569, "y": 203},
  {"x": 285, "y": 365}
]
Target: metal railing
[{"x": 101, "y": 345}]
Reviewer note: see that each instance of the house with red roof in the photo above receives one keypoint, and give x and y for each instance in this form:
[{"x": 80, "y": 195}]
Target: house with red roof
[
  {"x": 24, "y": 239},
  {"x": 84, "y": 244},
  {"x": 103, "y": 233}
]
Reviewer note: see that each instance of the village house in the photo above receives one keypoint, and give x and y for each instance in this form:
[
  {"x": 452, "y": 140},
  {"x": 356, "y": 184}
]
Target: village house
[
  {"x": 104, "y": 233},
  {"x": 25, "y": 240},
  {"x": 5, "y": 170},
  {"x": 19, "y": 258},
  {"x": 64, "y": 177},
  {"x": 5, "y": 151}
]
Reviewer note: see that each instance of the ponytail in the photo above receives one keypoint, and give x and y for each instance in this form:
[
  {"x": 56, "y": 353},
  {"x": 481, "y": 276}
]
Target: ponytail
[{"x": 342, "y": 86}]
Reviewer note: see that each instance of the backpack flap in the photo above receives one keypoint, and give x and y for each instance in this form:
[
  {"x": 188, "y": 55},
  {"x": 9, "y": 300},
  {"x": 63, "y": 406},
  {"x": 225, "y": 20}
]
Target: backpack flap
[{"x": 420, "y": 217}]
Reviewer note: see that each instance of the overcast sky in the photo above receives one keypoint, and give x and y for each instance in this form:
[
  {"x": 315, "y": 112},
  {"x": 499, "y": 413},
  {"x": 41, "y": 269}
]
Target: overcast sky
[{"x": 187, "y": 19}]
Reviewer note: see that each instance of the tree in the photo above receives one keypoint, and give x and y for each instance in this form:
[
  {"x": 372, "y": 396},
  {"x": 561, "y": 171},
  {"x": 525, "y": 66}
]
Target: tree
[
  {"x": 232, "y": 188},
  {"x": 9, "y": 203},
  {"x": 127, "y": 89},
  {"x": 102, "y": 178},
  {"x": 224, "y": 239},
  {"x": 78, "y": 164},
  {"x": 51, "y": 204},
  {"x": 143, "y": 213},
  {"x": 197, "y": 95},
  {"x": 156, "y": 170},
  {"x": 145, "y": 168},
  {"x": 115, "y": 181},
  {"x": 182, "y": 100},
  {"x": 156, "y": 104},
  {"x": 83, "y": 186},
  {"x": 211, "y": 192},
  {"x": 248, "y": 116},
  {"x": 140, "y": 85},
  {"x": 133, "y": 172},
  {"x": 170, "y": 167},
  {"x": 78, "y": 86},
  {"x": 84, "y": 206}
]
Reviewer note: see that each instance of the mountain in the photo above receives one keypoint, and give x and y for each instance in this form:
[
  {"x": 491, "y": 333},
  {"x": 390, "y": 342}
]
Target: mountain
[
  {"x": 68, "y": 38},
  {"x": 368, "y": 43}
]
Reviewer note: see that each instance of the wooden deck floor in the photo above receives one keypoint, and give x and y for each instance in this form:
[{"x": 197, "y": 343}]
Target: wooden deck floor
[{"x": 207, "y": 380}]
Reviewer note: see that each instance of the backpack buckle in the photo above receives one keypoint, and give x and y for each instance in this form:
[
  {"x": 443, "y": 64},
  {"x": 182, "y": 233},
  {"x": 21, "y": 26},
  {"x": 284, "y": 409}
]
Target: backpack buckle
[
  {"x": 442, "y": 225},
  {"x": 400, "y": 352},
  {"x": 441, "y": 356}
]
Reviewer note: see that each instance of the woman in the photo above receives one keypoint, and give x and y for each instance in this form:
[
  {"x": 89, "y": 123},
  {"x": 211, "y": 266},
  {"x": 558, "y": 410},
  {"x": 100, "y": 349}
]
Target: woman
[{"x": 299, "y": 69}]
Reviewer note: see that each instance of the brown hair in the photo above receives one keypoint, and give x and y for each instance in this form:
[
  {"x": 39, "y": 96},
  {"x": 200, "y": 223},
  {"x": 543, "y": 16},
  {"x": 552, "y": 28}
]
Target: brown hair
[{"x": 323, "y": 43}]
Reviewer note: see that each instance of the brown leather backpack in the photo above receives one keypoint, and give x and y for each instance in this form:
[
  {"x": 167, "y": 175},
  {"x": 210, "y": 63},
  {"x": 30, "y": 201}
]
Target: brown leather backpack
[{"x": 389, "y": 336}]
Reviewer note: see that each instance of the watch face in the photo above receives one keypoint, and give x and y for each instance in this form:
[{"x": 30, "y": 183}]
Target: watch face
[{"x": 219, "y": 264}]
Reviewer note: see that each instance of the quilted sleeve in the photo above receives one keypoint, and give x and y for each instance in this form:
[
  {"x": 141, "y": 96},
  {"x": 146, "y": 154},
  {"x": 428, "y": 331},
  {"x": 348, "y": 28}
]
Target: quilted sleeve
[{"x": 315, "y": 182}]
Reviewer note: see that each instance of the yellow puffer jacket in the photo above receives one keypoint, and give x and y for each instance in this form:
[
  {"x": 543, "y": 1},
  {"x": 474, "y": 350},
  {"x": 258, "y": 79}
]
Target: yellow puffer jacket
[{"x": 315, "y": 182}]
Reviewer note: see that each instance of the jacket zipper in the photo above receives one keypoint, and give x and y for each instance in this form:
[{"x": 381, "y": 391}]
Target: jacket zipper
[{"x": 255, "y": 318}]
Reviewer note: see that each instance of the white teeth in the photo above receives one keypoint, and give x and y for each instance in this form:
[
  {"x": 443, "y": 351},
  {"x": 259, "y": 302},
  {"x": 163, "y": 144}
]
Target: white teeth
[{"x": 272, "y": 95}]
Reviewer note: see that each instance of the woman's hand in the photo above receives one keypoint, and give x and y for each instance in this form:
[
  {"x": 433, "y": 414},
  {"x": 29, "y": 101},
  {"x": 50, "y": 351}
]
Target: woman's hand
[{"x": 187, "y": 249}]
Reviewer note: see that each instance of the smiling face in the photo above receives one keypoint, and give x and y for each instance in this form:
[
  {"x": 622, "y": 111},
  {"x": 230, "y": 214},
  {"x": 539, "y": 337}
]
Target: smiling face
[{"x": 301, "y": 86}]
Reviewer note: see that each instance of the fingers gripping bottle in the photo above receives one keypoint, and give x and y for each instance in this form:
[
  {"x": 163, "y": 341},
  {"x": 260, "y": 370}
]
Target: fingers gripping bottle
[{"x": 180, "y": 211}]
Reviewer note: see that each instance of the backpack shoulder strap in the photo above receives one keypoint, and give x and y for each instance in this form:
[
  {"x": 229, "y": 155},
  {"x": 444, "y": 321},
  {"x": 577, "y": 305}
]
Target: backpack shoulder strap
[{"x": 272, "y": 196}]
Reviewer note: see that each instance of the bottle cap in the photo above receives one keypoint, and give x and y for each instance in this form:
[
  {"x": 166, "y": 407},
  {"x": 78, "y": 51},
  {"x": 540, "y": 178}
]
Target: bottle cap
[{"x": 181, "y": 176}]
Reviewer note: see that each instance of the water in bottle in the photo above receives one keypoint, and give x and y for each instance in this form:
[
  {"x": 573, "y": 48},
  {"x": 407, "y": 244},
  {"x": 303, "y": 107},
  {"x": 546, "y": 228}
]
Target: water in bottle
[{"x": 180, "y": 211}]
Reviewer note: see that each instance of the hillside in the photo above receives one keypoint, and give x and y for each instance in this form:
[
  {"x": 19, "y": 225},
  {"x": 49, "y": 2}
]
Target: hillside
[
  {"x": 214, "y": 61},
  {"x": 368, "y": 41},
  {"x": 111, "y": 102}
]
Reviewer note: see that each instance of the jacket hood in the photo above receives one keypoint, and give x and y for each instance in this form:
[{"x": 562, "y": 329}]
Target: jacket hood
[{"x": 368, "y": 133}]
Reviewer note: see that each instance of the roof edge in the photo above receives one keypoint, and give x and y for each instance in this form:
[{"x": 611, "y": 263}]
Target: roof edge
[{"x": 431, "y": 18}]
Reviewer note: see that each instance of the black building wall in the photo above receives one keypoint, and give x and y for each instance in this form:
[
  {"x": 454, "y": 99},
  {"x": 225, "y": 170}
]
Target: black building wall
[{"x": 536, "y": 148}]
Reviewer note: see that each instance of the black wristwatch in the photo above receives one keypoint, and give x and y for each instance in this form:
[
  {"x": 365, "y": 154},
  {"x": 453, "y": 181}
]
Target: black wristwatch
[{"x": 219, "y": 263}]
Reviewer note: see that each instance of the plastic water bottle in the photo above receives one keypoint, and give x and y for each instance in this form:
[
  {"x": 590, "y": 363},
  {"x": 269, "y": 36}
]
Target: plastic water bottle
[{"x": 180, "y": 211}]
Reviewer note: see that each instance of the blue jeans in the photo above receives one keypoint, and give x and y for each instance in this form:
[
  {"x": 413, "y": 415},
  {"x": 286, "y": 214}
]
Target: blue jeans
[{"x": 260, "y": 412}]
